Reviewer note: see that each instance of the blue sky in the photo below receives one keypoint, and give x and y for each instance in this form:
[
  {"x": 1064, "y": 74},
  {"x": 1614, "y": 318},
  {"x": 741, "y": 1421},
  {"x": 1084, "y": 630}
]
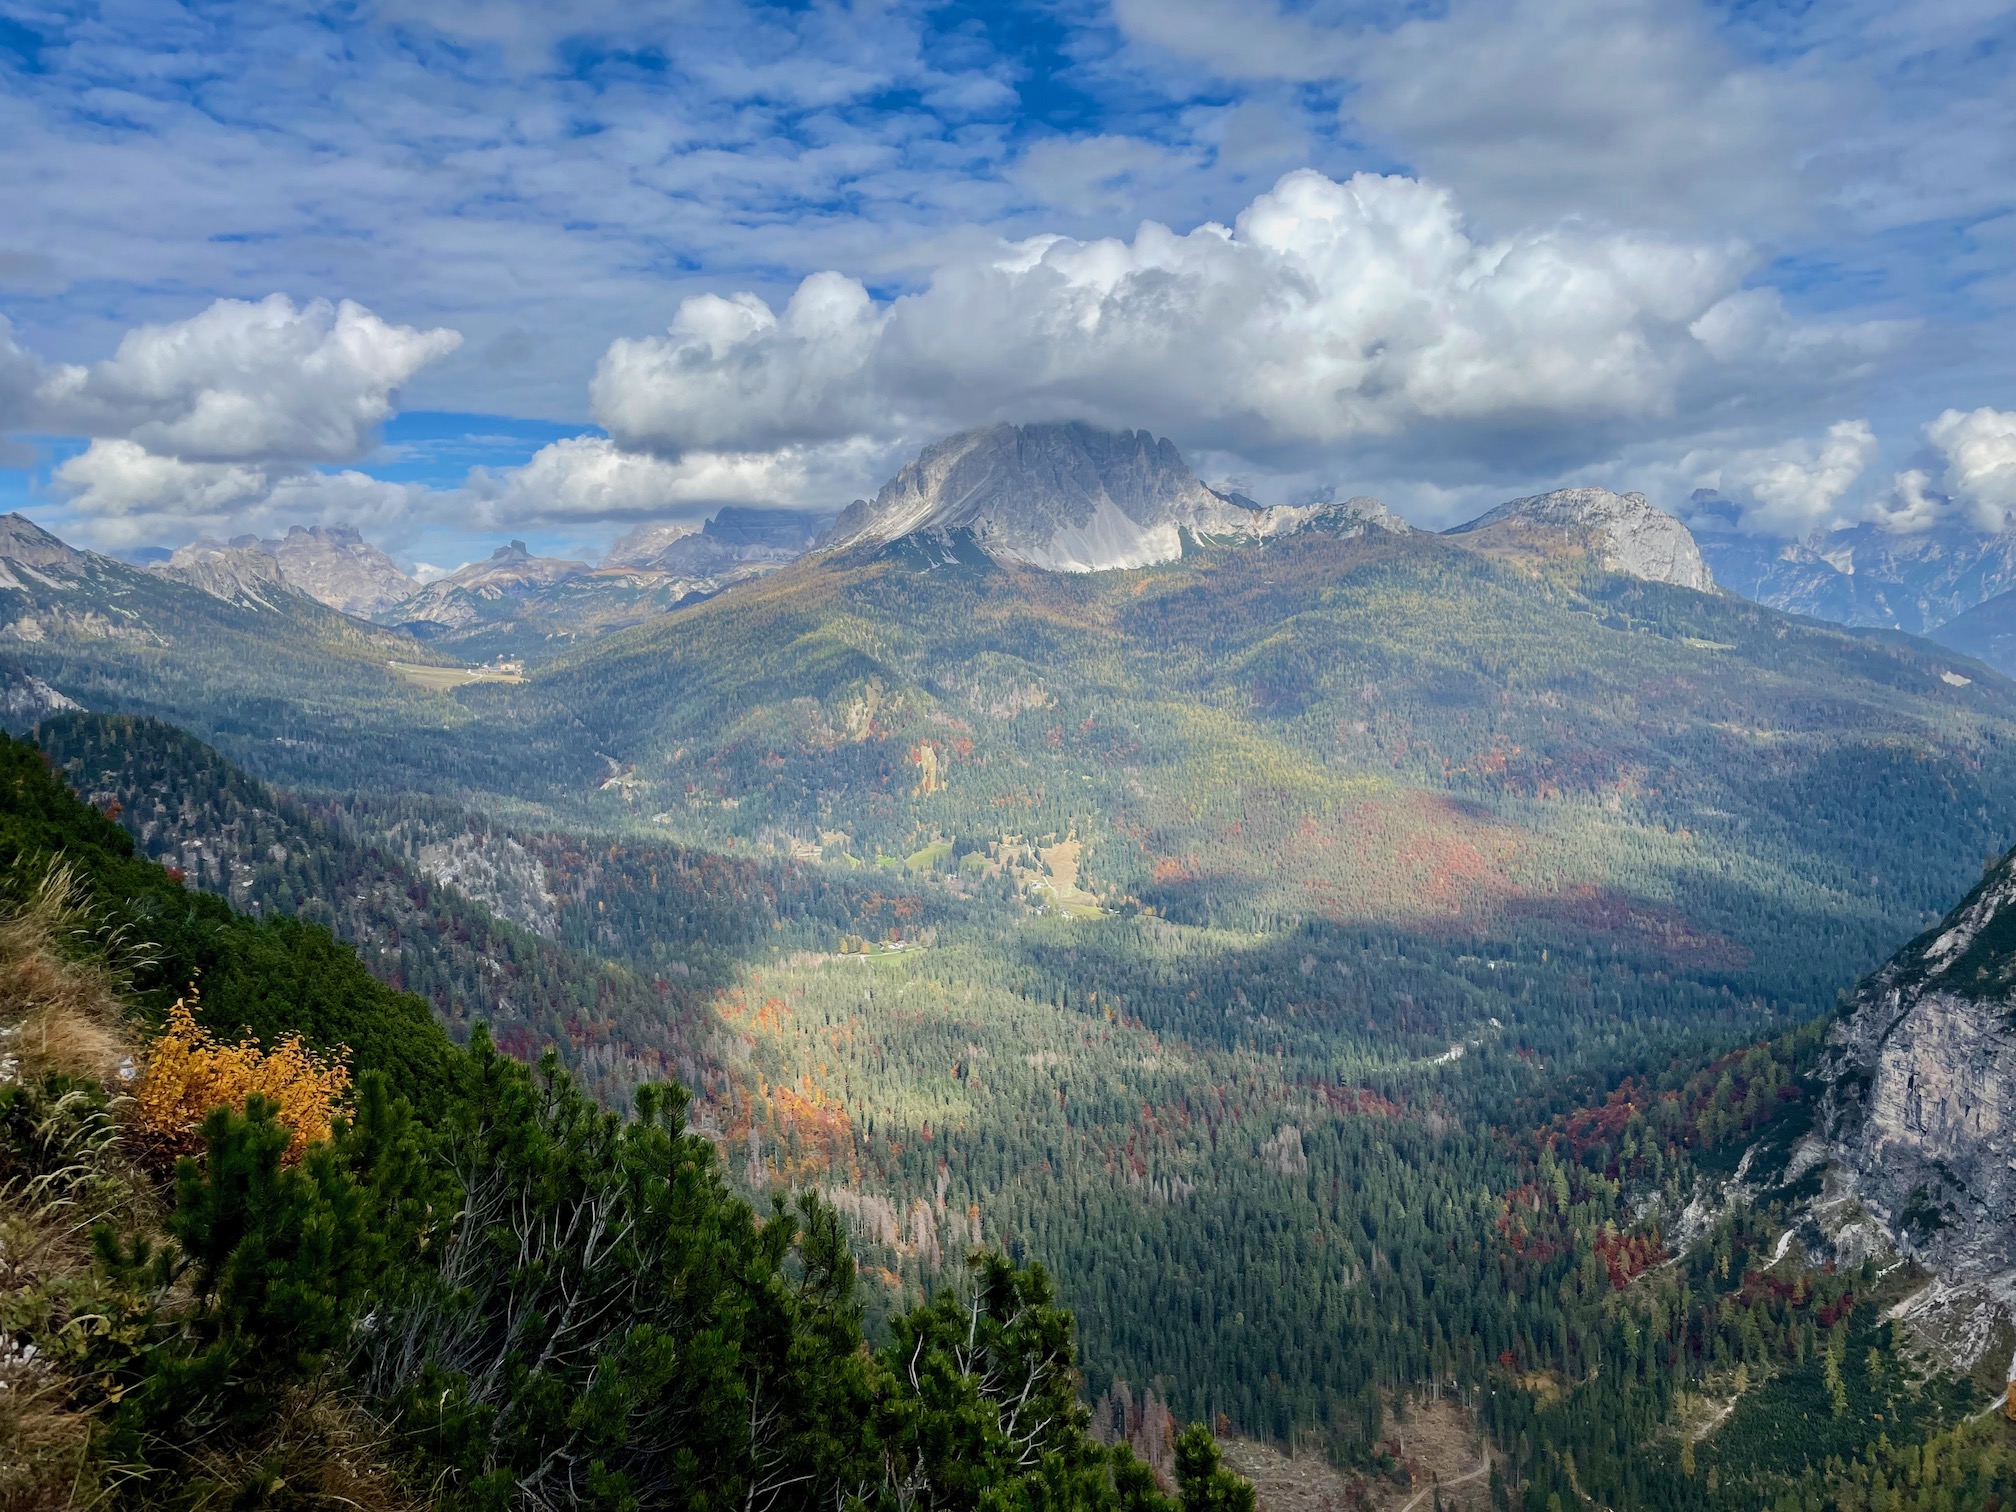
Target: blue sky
[{"x": 1444, "y": 254}]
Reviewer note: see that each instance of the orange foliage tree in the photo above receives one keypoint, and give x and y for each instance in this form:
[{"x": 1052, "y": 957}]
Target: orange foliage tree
[{"x": 189, "y": 1072}]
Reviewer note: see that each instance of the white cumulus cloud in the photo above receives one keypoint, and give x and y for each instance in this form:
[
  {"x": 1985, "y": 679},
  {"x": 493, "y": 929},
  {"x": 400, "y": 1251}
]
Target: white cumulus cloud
[
  {"x": 733, "y": 373},
  {"x": 124, "y": 495},
  {"x": 247, "y": 382},
  {"x": 1912, "y": 504},
  {"x": 216, "y": 424},
  {"x": 584, "y": 478},
  {"x": 1796, "y": 487},
  {"x": 1980, "y": 451},
  {"x": 1329, "y": 313}
]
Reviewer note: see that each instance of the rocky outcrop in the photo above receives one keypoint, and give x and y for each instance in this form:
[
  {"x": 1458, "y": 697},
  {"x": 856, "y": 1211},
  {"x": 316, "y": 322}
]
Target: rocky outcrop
[
  {"x": 338, "y": 567},
  {"x": 1920, "y": 1077},
  {"x": 1624, "y": 532},
  {"x": 25, "y": 698},
  {"x": 464, "y": 596},
  {"x": 735, "y": 543},
  {"x": 497, "y": 872},
  {"x": 1067, "y": 497}
]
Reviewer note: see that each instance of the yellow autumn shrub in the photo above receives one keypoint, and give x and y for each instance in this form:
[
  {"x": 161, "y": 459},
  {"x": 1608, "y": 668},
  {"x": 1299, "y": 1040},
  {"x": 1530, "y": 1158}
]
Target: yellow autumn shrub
[{"x": 189, "y": 1072}]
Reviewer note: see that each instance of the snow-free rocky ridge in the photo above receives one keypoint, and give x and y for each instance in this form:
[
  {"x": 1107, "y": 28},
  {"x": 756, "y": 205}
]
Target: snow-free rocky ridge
[
  {"x": 455, "y": 601},
  {"x": 738, "y": 540},
  {"x": 1624, "y": 532},
  {"x": 333, "y": 565},
  {"x": 1068, "y": 497}
]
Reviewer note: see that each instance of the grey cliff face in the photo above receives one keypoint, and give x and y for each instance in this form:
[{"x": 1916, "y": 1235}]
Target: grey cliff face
[
  {"x": 1624, "y": 531},
  {"x": 340, "y": 568},
  {"x": 1920, "y": 1103},
  {"x": 1067, "y": 497},
  {"x": 24, "y": 697},
  {"x": 497, "y": 872},
  {"x": 236, "y": 574},
  {"x": 23, "y": 543}
]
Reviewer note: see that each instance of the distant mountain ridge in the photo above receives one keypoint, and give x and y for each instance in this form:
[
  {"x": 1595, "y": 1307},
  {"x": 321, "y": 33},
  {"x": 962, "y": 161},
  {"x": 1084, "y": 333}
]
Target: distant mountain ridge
[
  {"x": 1626, "y": 533},
  {"x": 456, "y": 601},
  {"x": 1063, "y": 496},
  {"x": 737, "y": 537},
  {"x": 1071, "y": 497},
  {"x": 1927, "y": 582},
  {"x": 334, "y": 565}
]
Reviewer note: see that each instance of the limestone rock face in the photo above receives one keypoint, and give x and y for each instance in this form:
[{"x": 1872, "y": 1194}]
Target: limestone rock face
[
  {"x": 500, "y": 874},
  {"x": 338, "y": 567},
  {"x": 236, "y": 574},
  {"x": 23, "y": 543},
  {"x": 1624, "y": 532},
  {"x": 457, "y": 600},
  {"x": 24, "y": 697},
  {"x": 1920, "y": 1105},
  {"x": 333, "y": 565},
  {"x": 1066, "y": 497},
  {"x": 734, "y": 542}
]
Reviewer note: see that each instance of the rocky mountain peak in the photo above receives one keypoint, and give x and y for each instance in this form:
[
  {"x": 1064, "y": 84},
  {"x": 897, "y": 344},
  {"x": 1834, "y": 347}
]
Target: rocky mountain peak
[
  {"x": 509, "y": 572},
  {"x": 335, "y": 564},
  {"x": 332, "y": 564},
  {"x": 236, "y": 573},
  {"x": 642, "y": 545},
  {"x": 1065, "y": 496},
  {"x": 737, "y": 538},
  {"x": 27, "y": 544},
  {"x": 1625, "y": 532}
]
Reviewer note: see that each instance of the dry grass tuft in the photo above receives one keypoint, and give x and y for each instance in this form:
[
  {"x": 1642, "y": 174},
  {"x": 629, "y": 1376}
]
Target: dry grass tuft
[
  {"x": 323, "y": 1452},
  {"x": 61, "y": 1173},
  {"x": 58, "y": 1014},
  {"x": 43, "y": 1445}
]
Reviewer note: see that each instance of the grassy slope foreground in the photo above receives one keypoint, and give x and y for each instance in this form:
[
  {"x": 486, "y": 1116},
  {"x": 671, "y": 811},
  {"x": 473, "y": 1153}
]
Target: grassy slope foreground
[{"x": 482, "y": 1292}]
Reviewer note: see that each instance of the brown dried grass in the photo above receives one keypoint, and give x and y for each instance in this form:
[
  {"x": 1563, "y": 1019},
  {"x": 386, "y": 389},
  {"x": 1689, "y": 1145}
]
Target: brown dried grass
[
  {"x": 324, "y": 1452},
  {"x": 62, "y": 1012}
]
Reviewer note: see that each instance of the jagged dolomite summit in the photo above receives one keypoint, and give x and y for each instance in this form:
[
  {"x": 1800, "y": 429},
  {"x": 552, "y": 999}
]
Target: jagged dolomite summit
[
  {"x": 1626, "y": 533},
  {"x": 1067, "y": 497}
]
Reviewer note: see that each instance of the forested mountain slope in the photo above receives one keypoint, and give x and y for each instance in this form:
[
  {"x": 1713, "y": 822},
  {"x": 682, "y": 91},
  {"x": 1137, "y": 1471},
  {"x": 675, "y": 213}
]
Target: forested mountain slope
[
  {"x": 1348, "y": 726},
  {"x": 472, "y": 1289},
  {"x": 1220, "y": 930},
  {"x": 485, "y": 926},
  {"x": 266, "y": 672}
]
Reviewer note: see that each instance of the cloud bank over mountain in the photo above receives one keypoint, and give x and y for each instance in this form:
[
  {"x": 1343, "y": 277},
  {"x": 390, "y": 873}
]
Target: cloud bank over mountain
[
  {"x": 219, "y": 421},
  {"x": 1444, "y": 254},
  {"x": 1328, "y": 314}
]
